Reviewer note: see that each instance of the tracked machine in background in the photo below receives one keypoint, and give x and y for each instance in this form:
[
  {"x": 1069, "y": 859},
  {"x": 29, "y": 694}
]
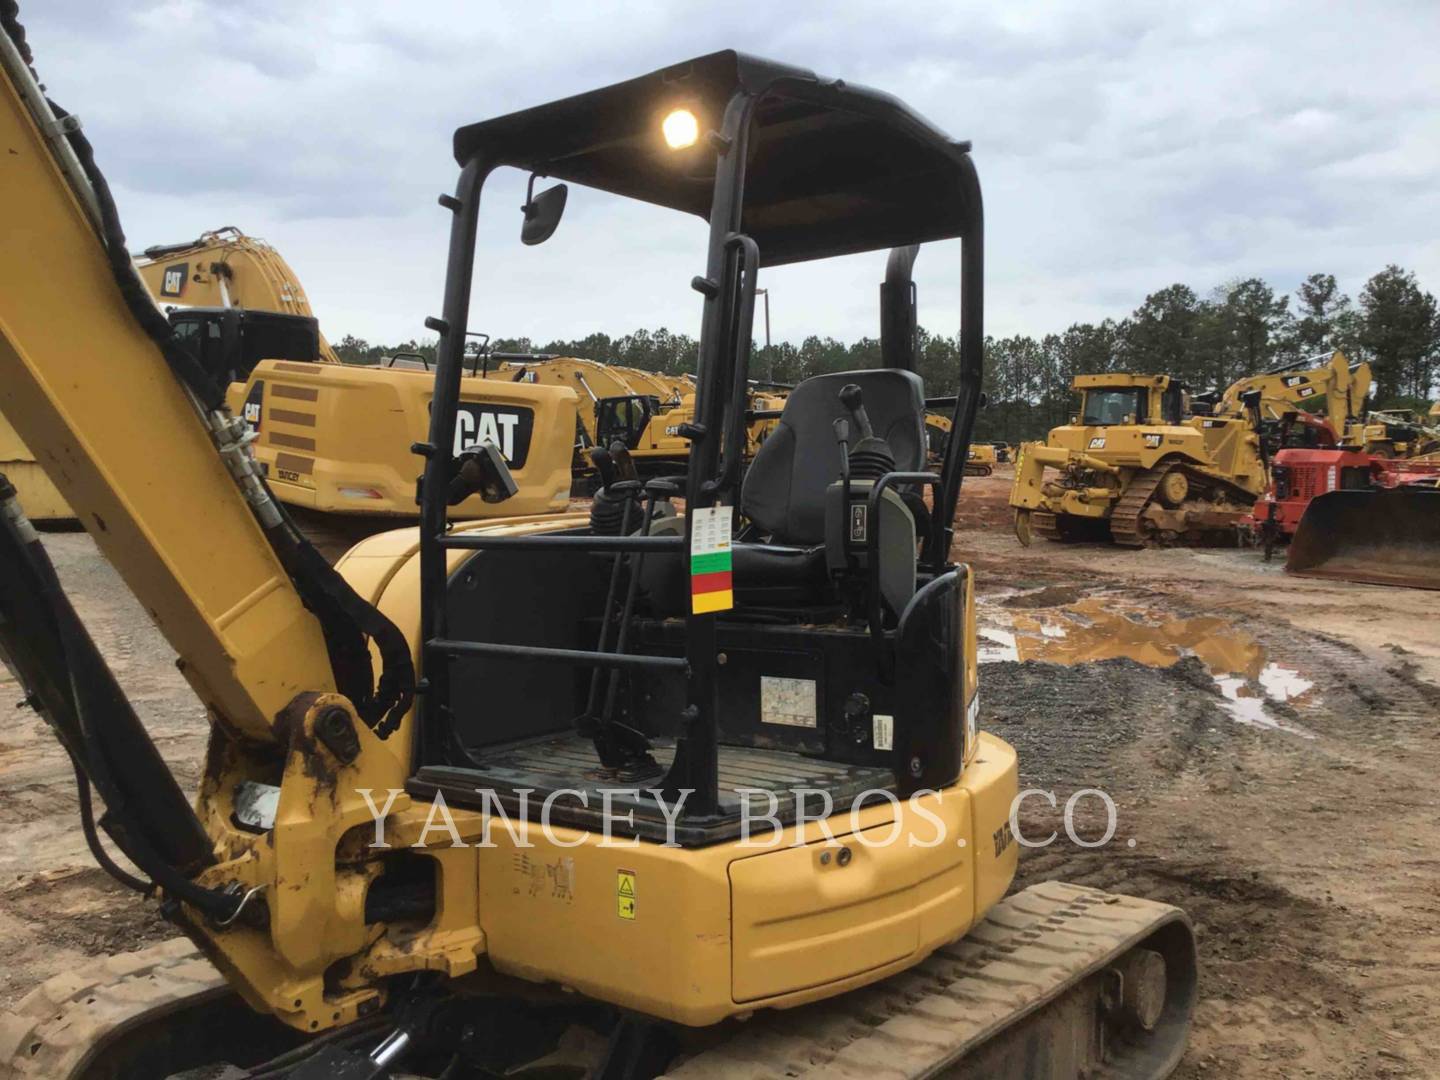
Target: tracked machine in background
[
  {"x": 332, "y": 439},
  {"x": 1134, "y": 465},
  {"x": 1351, "y": 514},
  {"x": 1143, "y": 463},
  {"x": 804, "y": 634}
]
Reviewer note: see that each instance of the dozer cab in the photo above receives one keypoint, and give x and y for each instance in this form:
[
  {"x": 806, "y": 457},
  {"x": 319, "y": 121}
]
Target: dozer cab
[
  {"x": 1135, "y": 465},
  {"x": 476, "y": 800}
]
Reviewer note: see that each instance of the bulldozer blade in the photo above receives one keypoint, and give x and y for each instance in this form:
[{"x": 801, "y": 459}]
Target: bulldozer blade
[{"x": 1380, "y": 537}]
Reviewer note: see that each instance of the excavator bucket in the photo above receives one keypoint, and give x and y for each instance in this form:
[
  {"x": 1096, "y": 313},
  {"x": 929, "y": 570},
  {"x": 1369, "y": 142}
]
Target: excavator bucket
[{"x": 1382, "y": 537}]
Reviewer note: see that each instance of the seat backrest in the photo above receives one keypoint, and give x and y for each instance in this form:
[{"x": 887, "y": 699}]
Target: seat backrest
[{"x": 784, "y": 492}]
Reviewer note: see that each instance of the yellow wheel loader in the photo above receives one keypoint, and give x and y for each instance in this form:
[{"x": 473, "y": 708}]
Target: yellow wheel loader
[{"x": 647, "y": 793}]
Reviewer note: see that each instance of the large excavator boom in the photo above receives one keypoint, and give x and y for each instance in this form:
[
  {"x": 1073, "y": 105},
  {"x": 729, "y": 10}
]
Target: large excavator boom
[
  {"x": 1342, "y": 384},
  {"x": 226, "y": 268}
]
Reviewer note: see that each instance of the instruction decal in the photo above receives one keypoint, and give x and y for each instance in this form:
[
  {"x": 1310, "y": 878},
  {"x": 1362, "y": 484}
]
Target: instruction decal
[{"x": 788, "y": 702}]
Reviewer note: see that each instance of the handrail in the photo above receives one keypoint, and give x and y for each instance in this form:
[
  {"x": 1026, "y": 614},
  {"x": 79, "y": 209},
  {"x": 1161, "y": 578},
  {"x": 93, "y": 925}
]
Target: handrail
[
  {"x": 481, "y": 542},
  {"x": 543, "y": 654}
]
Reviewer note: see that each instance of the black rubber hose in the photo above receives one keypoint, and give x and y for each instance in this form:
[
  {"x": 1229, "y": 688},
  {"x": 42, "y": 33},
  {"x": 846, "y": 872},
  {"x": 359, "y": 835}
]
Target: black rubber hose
[{"x": 92, "y": 837}]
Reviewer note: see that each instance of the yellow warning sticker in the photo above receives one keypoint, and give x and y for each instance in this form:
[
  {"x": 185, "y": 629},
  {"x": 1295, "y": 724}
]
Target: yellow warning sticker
[{"x": 625, "y": 894}]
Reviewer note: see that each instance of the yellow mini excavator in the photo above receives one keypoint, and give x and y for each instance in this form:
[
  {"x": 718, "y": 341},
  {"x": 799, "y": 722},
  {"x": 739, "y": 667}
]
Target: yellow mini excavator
[{"x": 643, "y": 793}]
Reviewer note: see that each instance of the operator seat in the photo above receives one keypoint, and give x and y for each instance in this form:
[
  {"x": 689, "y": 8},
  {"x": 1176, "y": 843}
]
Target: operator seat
[{"x": 784, "y": 491}]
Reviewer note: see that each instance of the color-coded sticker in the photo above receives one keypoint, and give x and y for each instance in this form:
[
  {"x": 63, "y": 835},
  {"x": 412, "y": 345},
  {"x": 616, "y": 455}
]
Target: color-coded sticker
[{"x": 711, "y": 583}]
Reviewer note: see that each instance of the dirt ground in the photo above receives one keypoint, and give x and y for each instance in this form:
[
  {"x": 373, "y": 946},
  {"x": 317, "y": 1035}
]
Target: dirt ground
[{"x": 1269, "y": 743}]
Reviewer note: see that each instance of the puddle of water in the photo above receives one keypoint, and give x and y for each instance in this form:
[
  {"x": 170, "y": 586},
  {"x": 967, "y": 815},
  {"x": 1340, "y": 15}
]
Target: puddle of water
[
  {"x": 1109, "y": 628},
  {"x": 1244, "y": 706},
  {"x": 1001, "y": 646},
  {"x": 1094, "y": 629}
]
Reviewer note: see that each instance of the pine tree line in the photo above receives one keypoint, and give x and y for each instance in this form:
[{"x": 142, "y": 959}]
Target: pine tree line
[{"x": 1240, "y": 328}]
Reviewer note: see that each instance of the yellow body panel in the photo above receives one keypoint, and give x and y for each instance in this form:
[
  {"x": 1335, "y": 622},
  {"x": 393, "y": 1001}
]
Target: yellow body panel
[
  {"x": 337, "y": 437},
  {"x": 722, "y": 930},
  {"x": 38, "y": 494}
]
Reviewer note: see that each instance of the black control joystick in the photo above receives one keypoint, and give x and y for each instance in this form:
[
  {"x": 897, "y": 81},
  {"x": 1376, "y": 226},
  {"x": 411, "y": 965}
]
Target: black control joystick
[{"x": 871, "y": 456}]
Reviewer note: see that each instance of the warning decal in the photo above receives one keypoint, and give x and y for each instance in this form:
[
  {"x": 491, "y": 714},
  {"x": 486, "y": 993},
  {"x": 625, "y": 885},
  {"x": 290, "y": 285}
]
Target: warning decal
[{"x": 625, "y": 894}]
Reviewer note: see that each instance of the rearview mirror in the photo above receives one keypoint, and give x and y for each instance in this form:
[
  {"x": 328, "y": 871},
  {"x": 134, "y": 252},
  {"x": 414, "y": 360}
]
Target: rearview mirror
[{"x": 542, "y": 212}]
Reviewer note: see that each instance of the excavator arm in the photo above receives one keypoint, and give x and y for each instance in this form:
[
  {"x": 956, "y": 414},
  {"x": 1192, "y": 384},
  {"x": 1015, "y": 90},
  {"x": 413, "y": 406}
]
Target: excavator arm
[
  {"x": 1342, "y": 384},
  {"x": 135, "y": 433}
]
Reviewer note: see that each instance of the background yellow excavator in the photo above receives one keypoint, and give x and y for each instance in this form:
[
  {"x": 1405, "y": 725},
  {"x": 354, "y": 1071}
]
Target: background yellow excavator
[
  {"x": 1139, "y": 465},
  {"x": 334, "y": 440},
  {"x": 415, "y": 870},
  {"x": 226, "y": 269},
  {"x": 643, "y": 411}
]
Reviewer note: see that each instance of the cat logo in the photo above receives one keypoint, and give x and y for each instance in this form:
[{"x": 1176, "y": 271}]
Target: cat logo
[
  {"x": 506, "y": 428},
  {"x": 1152, "y": 441},
  {"x": 1307, "y": 391},
  {"x": 253, "y": 401},
  {"x": 1097, "y": 443},
  {"x": 173, "y": 283},
  {"x": 1293, "y": 380}
]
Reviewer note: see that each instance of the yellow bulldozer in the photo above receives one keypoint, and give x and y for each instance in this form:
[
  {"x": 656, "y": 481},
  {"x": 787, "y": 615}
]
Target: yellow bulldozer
[
  {"x": 1144, "y": 464},
  {"x": 635, "y": 794}
]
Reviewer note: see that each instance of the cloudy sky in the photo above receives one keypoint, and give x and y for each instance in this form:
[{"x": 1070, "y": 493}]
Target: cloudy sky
[{"x": 1121, "y": 146}]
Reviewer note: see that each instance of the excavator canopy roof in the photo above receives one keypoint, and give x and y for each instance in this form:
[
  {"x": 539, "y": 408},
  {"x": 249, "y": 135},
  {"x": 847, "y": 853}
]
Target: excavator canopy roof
[
  {"x": 1118, "y": 379},
  {"x": 833, "y": 168}
]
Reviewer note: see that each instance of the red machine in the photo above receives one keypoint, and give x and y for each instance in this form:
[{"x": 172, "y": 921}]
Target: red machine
[{"x": 1299, "y": 475}]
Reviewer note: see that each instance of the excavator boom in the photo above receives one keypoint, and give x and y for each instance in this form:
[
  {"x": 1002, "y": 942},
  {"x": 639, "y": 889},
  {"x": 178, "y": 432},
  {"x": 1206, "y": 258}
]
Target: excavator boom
[
  {"x": 225, "y": 268},
  {"x": 121, "y": 437}
]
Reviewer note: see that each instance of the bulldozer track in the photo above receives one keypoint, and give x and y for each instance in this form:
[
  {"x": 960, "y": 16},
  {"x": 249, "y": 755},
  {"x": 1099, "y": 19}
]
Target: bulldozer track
[
  {"x": 1125, "y": 526},
  {"x": 1045, "y": 525},
  {"x": 1032, "y": 950},
  {"x": 1019, "y": 964}
]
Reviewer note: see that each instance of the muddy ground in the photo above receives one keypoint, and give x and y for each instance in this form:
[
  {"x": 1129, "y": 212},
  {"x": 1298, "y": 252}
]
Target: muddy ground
[{"x": 1273, "y": 762}]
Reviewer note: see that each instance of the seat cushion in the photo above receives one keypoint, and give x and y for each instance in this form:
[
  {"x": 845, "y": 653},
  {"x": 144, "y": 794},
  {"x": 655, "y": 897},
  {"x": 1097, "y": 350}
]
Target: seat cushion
[{"x": 784, "y": 492}]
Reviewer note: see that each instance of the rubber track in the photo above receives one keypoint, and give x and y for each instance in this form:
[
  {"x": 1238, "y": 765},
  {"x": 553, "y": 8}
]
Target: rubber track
[
  {"x": 1032, "y": 947},
  {"x": 58, "y": 1025}
]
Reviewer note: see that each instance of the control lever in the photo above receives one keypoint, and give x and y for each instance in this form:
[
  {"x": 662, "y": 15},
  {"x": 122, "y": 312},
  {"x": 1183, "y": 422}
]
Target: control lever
[
  {"x": 604, "y": 465},
  {"x": 853, "y": 400},
  {"x": 624, "y": 463}
]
